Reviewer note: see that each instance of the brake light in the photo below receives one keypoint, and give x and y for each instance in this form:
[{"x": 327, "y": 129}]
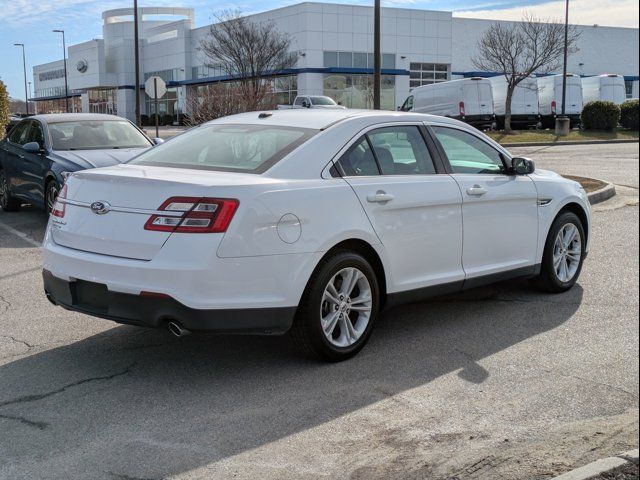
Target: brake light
[
  {"x": 461, "y": 105},
  {"x": 554, "y": 106},
  {"x": 59, "y": 208},
  {"x": 194, "y": 215}
]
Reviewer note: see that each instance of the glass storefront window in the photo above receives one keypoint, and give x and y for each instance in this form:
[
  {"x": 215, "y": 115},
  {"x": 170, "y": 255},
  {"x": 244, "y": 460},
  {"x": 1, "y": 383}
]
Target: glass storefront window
[
  {"x": 427, "y": 73},
  {"x": 356, "y": 91},
  {"x": 357, "y": 60}
]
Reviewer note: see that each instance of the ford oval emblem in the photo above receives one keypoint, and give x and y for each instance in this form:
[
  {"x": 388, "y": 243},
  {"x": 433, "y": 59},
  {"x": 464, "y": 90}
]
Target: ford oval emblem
[{"x": 100, "y": 208}]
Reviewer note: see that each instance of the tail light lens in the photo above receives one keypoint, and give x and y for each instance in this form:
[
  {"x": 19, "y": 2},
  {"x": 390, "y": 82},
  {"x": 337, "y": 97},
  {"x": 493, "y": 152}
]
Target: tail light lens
[
  {"x": 59, "y": 207},
  {"x": 461, "y": 105},
  {"x": 194, "y": 215},
  {"x": 554, "y": 106}
]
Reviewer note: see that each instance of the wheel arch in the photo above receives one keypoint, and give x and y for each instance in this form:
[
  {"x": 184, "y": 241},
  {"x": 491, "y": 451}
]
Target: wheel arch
[
  {"x": 580, "y": 212},
  {"x": 365, "y": 249}
]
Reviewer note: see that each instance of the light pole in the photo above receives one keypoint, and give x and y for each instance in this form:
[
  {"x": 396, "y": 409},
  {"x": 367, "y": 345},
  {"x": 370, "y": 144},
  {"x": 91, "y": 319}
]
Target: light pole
[
  {"x": 35, "y": 106},
  {"x": 563, "y": 124},
  {"x": 376, "y": 55},
  {"x": 64, "y": 56},
  {"x": 136, "y": 56},
  {"x": 24, "y": 66}
]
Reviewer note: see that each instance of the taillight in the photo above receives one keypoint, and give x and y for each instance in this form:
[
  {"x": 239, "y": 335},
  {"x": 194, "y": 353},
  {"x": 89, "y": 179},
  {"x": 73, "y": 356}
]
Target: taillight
[
  {"x": 59, "y": 207},
  {"x": 554, "y": 106},
  {"x": 461, "y": 105},
  {"x": 194, "y": 215}
]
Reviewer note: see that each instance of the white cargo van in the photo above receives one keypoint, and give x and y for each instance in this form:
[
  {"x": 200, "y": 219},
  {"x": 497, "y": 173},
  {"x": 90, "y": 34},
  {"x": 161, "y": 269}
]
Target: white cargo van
[
  {"x": 467, "y": 99},
  {"x": 524, "y": 103},
  {"x": 550, "y": 98},
  {"x": 610, "y": 88}
]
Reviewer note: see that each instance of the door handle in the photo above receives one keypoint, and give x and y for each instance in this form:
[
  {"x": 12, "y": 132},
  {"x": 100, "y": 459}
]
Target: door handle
[
  {"x": 476, "y": 191},
  {"x": 380, "y": 197}
]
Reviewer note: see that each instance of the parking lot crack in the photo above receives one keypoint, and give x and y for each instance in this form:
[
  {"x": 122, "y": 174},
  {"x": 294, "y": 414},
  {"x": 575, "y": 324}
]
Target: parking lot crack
[
  {"x": 124, "y": 476},
  {"x": 41, "y": 396},
  {"x": 4, "y": 304},
  {"x": 17, "y": 340},
  {"x": 26, "y": 421}
]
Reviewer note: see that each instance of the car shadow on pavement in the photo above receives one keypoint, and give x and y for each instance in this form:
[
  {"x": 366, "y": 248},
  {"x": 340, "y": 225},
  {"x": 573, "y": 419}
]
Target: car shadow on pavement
[
  {"x": 29, "y": 221},
  {"x": 142, "y": 404}
]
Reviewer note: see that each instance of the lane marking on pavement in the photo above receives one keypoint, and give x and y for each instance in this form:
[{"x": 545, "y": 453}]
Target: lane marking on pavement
[{"x": 20, "y": 234}]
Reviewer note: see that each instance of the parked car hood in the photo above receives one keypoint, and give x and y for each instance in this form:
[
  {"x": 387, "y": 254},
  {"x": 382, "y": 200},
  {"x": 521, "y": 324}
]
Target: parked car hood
[{"x": 98, "y": 158}]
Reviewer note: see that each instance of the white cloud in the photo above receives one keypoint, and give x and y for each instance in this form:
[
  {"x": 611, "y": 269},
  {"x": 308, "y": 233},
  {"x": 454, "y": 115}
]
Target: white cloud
[{"x": 615, "y": 13}]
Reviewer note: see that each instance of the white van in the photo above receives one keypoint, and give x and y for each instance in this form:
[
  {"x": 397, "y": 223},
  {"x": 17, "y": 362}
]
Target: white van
[
  {"x": 550, "y": 98},
  {"x": 524, "y": 103},
  {"x": 467, "y": 99},
  {"x": 610, "y": 88}
]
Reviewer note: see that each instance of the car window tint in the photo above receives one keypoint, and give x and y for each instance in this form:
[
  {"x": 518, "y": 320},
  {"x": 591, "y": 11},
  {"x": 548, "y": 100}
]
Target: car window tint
[
  {"x": 467, "y": 153},
  {"x": 35, "y": 134},
  {"x": 401, "y": 151},
  {"x": 228, "y": 147},
  {"x": 19, "y": 133},
  {"x": 359, "y": 160}
]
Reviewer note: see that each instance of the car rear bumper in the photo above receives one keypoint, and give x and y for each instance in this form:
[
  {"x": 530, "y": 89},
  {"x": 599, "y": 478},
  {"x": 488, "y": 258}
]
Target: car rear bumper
[
  {"x": 478, "y": 120},
  {"x": 156, "y": 311}
]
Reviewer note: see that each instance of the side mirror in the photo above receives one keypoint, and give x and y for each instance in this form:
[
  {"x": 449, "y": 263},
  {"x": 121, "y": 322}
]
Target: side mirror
[
  {"x": 158, "y": 141},
  {"x": 32, "y": 147},
  {"x": 522, "y": 166}
]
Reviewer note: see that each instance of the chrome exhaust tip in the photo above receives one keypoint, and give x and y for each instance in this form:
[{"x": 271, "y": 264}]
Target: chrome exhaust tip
[{"x": 177, "y": 329}]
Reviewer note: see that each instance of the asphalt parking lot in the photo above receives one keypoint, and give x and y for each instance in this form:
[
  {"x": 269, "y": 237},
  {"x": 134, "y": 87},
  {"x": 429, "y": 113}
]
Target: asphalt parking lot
[{"x": 501, "y": 382}]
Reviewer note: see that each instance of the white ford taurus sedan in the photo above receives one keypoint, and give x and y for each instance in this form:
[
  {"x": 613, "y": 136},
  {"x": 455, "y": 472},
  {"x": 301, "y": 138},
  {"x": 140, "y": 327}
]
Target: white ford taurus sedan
[{"x": 307, "y": 222}]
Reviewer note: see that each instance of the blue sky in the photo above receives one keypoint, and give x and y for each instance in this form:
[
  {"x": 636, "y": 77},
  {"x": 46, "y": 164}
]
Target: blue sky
[{"x": 29, "y": 22}]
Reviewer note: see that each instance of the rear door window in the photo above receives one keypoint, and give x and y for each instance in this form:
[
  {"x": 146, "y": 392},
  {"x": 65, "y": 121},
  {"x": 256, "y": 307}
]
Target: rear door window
[
  {"x": 359, "y": 160},
  {"x": 20, "y": 132},
  {"x": 401, "y": 150}
]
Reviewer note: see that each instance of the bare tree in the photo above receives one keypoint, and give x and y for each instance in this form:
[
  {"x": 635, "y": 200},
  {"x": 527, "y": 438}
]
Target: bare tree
[
  {"x": 219, "y": 100},
  {"x": 248, "y": 51},
  {"x": 518, "y": 50}
]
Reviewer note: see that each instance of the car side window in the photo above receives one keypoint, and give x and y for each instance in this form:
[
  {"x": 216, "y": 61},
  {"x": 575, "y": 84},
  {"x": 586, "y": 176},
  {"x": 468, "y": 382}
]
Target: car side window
[
  {"x": 401, "y": 150},
  {"x": 407, "y": 106},
  {"x": 20, "y": 132},
  {"x": 468, "y": 153},
  {"x": 35, "y": 134},
  {"x": 299, "y": 101},
  {"x": 359, "y": 160}
]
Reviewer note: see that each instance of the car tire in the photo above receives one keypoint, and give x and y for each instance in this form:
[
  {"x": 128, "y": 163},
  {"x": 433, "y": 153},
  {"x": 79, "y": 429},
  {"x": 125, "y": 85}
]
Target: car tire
[
  {"x": 561, "y": 267},
  {"x": 51, "y": 191},
  {"x": 7, "y": 202},
  {"x": 328, "y": 303}
]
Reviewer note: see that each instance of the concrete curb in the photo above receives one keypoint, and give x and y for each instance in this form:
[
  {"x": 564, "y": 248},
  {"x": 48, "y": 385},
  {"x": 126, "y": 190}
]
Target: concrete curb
[
  {"x": 578, "y": 142},
  {"x": 603, "y": 194},
  {"x": 600, "y": 466}
]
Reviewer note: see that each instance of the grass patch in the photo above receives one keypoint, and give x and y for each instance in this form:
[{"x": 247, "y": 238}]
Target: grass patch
[{"x": 530, "y": 136}]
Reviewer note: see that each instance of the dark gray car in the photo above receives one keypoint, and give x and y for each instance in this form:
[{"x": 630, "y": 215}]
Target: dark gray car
[{"x": 40, "y": 148}]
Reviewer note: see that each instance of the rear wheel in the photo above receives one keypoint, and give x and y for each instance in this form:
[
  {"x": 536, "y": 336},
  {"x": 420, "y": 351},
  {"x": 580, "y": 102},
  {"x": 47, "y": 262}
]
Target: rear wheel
[
  {"x": 338, "y": 309},
  {"x": 7, "y": 202},
  {"x": 563, "y": 254},
  {"x": 52, "y": 189}
]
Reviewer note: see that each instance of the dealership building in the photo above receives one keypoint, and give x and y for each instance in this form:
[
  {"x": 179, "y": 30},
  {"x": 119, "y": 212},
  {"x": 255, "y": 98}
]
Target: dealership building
[{"x": 334, "y": 43}]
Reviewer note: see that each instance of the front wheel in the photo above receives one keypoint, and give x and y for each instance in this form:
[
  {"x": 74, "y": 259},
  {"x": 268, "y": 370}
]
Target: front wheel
[
  {"x": 563, "y": 255},
  {"x": 338, "y": 309}
]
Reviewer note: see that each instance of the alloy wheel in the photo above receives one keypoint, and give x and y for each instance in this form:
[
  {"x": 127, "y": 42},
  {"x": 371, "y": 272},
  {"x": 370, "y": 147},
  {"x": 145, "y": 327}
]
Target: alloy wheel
[
  {"x": 567, "y": 252},
  {"x": 52, "y": 195},
  {"x": 346, "y": 306}
]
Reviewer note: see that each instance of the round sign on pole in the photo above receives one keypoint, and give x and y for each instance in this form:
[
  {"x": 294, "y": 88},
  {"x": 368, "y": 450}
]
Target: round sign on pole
[{"x": 150, "y": 87}]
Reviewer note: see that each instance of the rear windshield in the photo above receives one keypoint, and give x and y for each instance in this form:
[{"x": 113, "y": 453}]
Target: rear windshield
[
  {"x": 96, "y": 135},
  {"x": 322, "y": 101},
  {"x": 226, "y": 147}
]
